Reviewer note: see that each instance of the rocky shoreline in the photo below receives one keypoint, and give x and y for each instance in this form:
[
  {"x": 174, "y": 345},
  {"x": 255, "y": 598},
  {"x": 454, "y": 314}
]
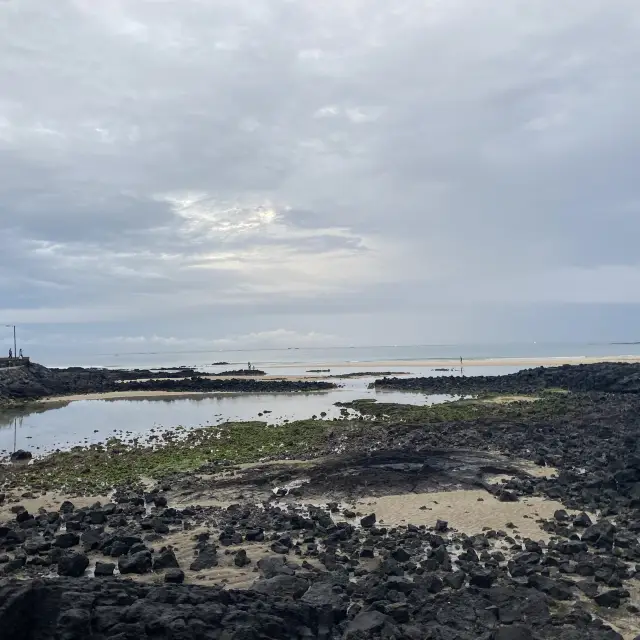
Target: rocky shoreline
[
  {"x": 464, "y": 521},
  {"x": 610, "y": 377},
  {"x": 183, "y": 372},
  {"x": 31, "y": 382}
]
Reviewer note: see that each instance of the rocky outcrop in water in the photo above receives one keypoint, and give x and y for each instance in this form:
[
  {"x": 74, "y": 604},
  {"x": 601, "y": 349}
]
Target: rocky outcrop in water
[
  {"x": 608, "y": 377},
  {"x": 147, "y": 374},
  {"x": 33, "y": 381},
  {"x": 246, "y": 385},
  {"x": 138, "y": 374}
]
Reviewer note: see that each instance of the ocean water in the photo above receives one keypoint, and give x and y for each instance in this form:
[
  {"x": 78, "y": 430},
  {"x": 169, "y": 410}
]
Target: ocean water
[{"x": 306, "y": 358}]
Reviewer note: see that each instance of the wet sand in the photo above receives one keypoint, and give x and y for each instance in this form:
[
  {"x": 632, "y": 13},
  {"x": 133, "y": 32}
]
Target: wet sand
[
  {"x": 120, "y": 395},
  {"x": 141, "y": 395}
]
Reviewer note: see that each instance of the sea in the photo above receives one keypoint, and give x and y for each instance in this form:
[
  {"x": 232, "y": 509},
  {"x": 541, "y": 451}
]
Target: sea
[{"x": 306, "y": 357}]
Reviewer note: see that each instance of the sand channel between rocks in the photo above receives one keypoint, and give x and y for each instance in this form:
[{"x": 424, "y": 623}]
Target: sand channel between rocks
[{"x": 469, "y": 511}]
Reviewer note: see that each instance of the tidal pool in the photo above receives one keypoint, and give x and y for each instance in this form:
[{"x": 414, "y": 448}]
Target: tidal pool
[{"x": 92, "y": 421}]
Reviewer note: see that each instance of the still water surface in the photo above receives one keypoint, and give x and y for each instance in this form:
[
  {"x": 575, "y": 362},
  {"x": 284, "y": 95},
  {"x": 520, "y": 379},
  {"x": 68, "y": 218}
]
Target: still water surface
[{"x": 93, "y": 421}]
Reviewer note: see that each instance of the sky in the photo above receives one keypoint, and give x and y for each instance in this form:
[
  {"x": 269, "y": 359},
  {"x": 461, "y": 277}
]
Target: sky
[{"x": 186, "y": 174}]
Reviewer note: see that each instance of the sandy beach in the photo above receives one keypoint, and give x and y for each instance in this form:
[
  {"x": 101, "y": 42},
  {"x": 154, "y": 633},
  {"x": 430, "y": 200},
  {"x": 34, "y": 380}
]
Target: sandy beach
[
  {"x": 122, "y": 395},
  {"x": 480, "y": 362}
]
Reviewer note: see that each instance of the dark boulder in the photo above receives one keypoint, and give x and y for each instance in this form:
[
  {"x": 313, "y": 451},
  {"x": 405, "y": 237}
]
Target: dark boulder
[
  {"x": 442, "y": 526},
  {"x": 281, "y": 586},
  {"x": 207, "y": 558},
  {"x": 274, "y": 566},
  {"x": 322, "y": 595},
  {"x": 67, "y": 507},
  {"x": 553, "y": 588},
  {"x": 174, "y": 576},
  {"x": 368, "y": 521},
  {"x": 482, "y": 578},
  {"x": 165, "y": 560},
  {"x": 97, "y": 517},
  {"x": 582, "y": 520},
  {"x": 21, "y": 455},
  {"x": 92, "y": 539},
  {"x": 73, "y": 565},
  {"x": 22, "y": 516},
  {"x": 66, "y": 540},
  {"x": 254, "y": 535},
  {"x": 600, "y": 534},
  {"x": 505, "y": 495},
  {"x": 455, "y": 580},
  {"x": 401, "y": 555},
  {"x": 137, "y": 563},
  {"x": 241, "y": 559},
  {"x": 104, "y": 568},
  {"x": 431, "y": 582},
  {"x": 400, "y": 584},
  {"x": 611, "y": 599}
]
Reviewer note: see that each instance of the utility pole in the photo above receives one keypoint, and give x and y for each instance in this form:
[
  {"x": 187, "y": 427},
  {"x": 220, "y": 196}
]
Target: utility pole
[{"x": 15, "y": 344}]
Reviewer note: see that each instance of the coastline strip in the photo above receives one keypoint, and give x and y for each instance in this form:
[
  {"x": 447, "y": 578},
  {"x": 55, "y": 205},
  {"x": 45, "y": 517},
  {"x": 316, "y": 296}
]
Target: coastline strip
[{"x": 454, "y": 363}]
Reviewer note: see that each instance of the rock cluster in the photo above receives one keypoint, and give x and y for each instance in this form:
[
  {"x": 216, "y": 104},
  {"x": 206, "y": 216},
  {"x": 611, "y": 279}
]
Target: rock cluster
[
  {"x": 325, "y": 579},
  {"x": 610, "y": 377},
  {"x": 32, "y": 381}
]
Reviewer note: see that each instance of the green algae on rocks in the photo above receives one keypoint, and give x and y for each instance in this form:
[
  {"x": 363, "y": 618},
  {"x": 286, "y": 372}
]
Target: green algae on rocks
[
  {"x": 100, "y": 467},
  {"x": 97, "y": 468}
]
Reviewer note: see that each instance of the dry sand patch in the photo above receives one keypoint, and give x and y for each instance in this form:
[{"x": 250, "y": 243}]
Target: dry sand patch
[{"x": 469, "y": 511}]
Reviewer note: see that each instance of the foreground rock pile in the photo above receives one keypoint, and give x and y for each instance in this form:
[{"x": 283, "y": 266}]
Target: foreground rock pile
[
  {"x": 320, "y": 578},
  {"x": 610, "y": 377}
]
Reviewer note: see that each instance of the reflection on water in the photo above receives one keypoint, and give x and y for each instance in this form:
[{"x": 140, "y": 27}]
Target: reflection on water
[{"x": 92, "y": 421}]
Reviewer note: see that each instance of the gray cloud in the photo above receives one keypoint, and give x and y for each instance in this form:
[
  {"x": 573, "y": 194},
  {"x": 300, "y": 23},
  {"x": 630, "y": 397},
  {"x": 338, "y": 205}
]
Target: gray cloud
[{"x": 275, "y": 164}]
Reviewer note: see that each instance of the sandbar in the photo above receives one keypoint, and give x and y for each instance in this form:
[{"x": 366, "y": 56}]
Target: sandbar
[
  {"x": 140, "y": 395},
  {"x": 454, "y": 363}
]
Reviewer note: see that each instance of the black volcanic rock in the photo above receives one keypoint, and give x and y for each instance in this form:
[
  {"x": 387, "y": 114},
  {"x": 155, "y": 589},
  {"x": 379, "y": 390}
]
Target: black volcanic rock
[
  {"x": 32, "y": 381},
  {"x": 610, "y": 377},
  {"x": 73, "y": 565}
]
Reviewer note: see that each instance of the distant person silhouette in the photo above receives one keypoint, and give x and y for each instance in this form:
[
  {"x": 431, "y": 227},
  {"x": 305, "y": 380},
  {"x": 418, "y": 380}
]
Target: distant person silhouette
[
  {"x": 10, "y": 354},
  {"x": 20, "y": 356}
]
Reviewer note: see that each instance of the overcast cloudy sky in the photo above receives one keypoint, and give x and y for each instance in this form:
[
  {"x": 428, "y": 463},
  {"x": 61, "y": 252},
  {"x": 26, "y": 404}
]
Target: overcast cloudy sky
[{"x": 184, "y": 173}]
